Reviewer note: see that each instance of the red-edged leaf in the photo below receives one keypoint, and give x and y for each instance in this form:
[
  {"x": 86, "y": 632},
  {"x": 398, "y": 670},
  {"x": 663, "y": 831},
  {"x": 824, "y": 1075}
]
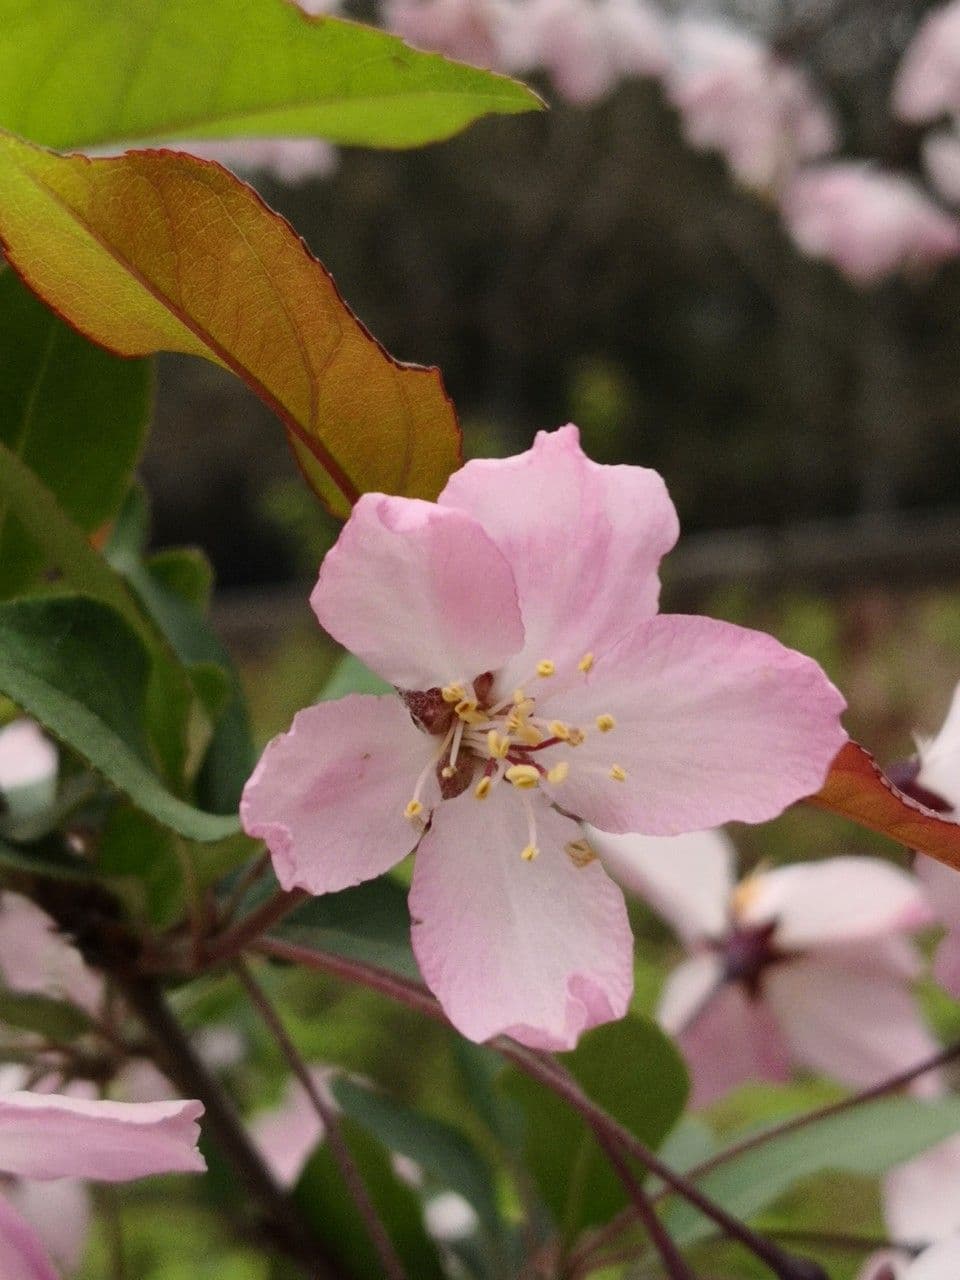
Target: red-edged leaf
[
  {"x": 158, "y": 251},
  {"x": 857, "y": 788}
]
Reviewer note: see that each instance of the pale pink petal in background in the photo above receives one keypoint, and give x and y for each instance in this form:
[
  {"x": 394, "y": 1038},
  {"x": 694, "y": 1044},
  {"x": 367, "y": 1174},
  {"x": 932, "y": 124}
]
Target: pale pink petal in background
[
  {"x": 475, "y": 31},
  {"x": 36, "y": 959},
  {"x": 714, "y": 723},
  {"x": 940, "y": 150},
  {"x": 418, "y": 592},
  {"x": 291, "y": 160},
  {"x": 688, "y": 990},
  {"x": 27, "y": 756},
  {"x": 22, "y": 1255},
  {"x": 59, "y": 1212},
  {"x": 540, "y": 950},
  {"x": 286, "y": 1135},
  {"x": 921, "y": 1198},
  {"x": 939, "y": 757},
  {"x": 868, "y": 222},
  {"x": 835, "y": 901},
  {"x": 940, "y": 1262},
  {"x": 928, "y": 79},
  {"x": 51, "y": 1136},
  {"x": 733, "y": 1041},
  {"x": 687, "y": 879},
  {"x": 584, "y": 542},
  {"x": 328, "y": 796}
]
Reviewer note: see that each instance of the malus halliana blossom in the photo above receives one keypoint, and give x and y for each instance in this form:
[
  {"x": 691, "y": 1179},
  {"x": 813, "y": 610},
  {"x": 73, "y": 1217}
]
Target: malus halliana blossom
[
  {"x": 927, "y": 84},
  {"x": 799, "y": 964},
  {"x": 537, "y": 687}
]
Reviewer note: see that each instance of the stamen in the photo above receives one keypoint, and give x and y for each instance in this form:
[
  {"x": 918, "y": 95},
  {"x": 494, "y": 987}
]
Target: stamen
[
  {"x": 453, "y": 692},
  {"x": 546, "y": 668},
  {"x": 518, "y": 697},
  {"x": 585, "y": 663},
  {"x": 531, "y": 849},
  {"x": 559, "y": 772},
  {"x": 482, "y": 789},
  {"x": 618, "y": 773},
  {"x": 580, "y": 852},
  {"x": 606, "y": 722},
  {"x": 413, "y": 809},
  {"x": 497, "y": 746},
  {"x": 576, "y": 737},
  {"x": 455, "y": 749},
  {"x": 560, "y": 730},
  {"x": 523, "y": 776},
  {"x": 447, "y": 771},
  {"x": 529, "y": 852}
]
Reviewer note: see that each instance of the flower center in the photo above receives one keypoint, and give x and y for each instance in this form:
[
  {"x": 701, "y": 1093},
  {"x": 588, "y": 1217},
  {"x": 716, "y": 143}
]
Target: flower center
[{"x": 501, "y": 739}]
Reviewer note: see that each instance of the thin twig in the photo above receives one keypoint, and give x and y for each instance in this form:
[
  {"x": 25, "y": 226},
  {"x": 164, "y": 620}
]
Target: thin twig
[
  {"x": 353, "y": 1179},
  {"x": 225, "y": 946},
  {"x": 844, "y": 1240},
  {"x": 674, "y": 1263},
  {"x": 235, "y": 898}
]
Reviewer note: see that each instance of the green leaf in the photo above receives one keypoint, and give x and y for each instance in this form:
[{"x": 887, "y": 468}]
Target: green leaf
[
  {"x": 634, "y": 1072},
  {"x": 95, "y": 71},
  {"x": 369, "y": 923},
  {"x": 868, "y": 1140},
  {"x": 445, "y": 1155},
  {"x": 230, "y": 755},
  {"x": 322, "y": 1199},
  {"x": 75, "y": 414},
  {"x": 144, "y": 855},
  {"x": 57, "y": 1021},
  {"x": 43, "y": 858},
  {"x": 67, "y": 554},
  {"x": 77, "y": 667},
  {"x": 186, "y": 572}
]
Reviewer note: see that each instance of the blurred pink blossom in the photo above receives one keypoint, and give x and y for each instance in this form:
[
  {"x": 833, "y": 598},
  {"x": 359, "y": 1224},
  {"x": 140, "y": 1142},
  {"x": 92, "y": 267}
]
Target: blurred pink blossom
[
  {"x": 292, "y": 160},
  {"x": 536, "y": 682},
  {"x": 481, "y": 32},
  {"x": 287, "y": 1134},
  {"x": 928, "y": 80},
  {"x": 941, "y": 161},
  {"x": 939, "y": 1262},
  {"x": 37, "y": 959},
  {"x": 735, "y": 96},
  {"x": 801, "y": 965},
  {"x": 869, "y": 223}
]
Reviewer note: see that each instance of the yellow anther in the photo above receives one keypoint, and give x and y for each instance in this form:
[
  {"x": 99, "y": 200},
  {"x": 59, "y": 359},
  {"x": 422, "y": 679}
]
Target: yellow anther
[
  {"x": 559, "y": 730},
  {"x": 447, "y": 771},
  {"x": 529, "y": 735},
  {"x": 546, "y": 668},
  {"x": 497, "y": 746},
  {"x": 529, "y": 852},
  {"x": 482, "y": 789},
  {"x": 453, "y": 692},
  {"x": 576, "y": 736},
  {"x": 580, "y": 852},
  {"x": 586, "y": 662},
  {"x": 618, "y": 773},
  {"x": 466, "y": 709},
  {"x": 559, "y": 772},
  {"x": 518, "y": 697},
  {"x": 606, "y": 722},
  {"x": 413, "y": 809},
  {"x": 523, "y": 776}
]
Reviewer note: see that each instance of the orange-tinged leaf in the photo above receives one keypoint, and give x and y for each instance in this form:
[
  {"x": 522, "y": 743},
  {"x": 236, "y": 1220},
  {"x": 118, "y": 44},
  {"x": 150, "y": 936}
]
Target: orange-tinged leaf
[
  {"x": 857, "y": 788},
  {"x": 159, "y": 251}
]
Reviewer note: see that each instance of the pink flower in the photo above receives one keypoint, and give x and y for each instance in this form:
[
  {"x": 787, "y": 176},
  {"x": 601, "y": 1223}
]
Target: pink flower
[
  {"x": 517, "y": 620},
  {"x": 48, "y": 1137},
  {"x": 475, "y": 31},
  {"x": 940, "y": 1262},
  {"x": 870, "y": 224},
  {"x": 287, "y": 1135},
  {"x": 941, "y": 161},
  {"x": 928, "y": 80},
  {"x": 35, "y": 959},
  {"x": 738, "y": 98},
  {"x": 793, "y": 966}
]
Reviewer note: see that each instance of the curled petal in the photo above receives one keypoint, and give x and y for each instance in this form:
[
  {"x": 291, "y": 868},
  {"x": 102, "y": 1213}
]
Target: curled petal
[
  {"x": 940, "y": 757},
  {"x": 59, "y": 1212},
  {"x": 50, "y": 1136},
  {"x": 584, "y": 542},
  {"x": 540, "y": 950},
  {"x": 838, "y": 900},
  {"x": 328, "y": 797},
  {"x": 687, "y": 879},
  {"x": 22, "y": 1256},
  {"x": 714, "y": 723},
  {"x": 419, "y": 593}
]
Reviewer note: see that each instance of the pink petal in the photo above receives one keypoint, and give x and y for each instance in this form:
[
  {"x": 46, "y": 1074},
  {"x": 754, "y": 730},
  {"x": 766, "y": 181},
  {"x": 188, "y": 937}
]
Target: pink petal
[
  {"x": 849, "y": 1014},
  {"x": 943, "y": 889},
  {"x": 687, "y": 879},
  {"x": 885, "y": 1264},
  {"x": 37, "y": 960},
  {"x": 921, "y": 1198},
  {"x": 688, "y": 989},
  {"x": 22, "y": 1256},
  {"x": 419, "y": 593},
  {"x": 713, "y": 723},
  {"x": 287, "y": 1134},
  {"x": 928, "y": 80},
  {"x": 27, "y": 756},
  {"x": 584, "y": 542},
  {"x": 834, "y": 901},
  {"x": 941, "y": 1262},
  {"x": 538, "y": 950},
  {"x": 940, "y": 757},
  {"x": 946, "y": 965},
  {"x": 329, "y": 796},
  {"x": 734, "y": 1040},
  {"x": 60, "y": 1213},
  {"x": 50, "y": 1136}
]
